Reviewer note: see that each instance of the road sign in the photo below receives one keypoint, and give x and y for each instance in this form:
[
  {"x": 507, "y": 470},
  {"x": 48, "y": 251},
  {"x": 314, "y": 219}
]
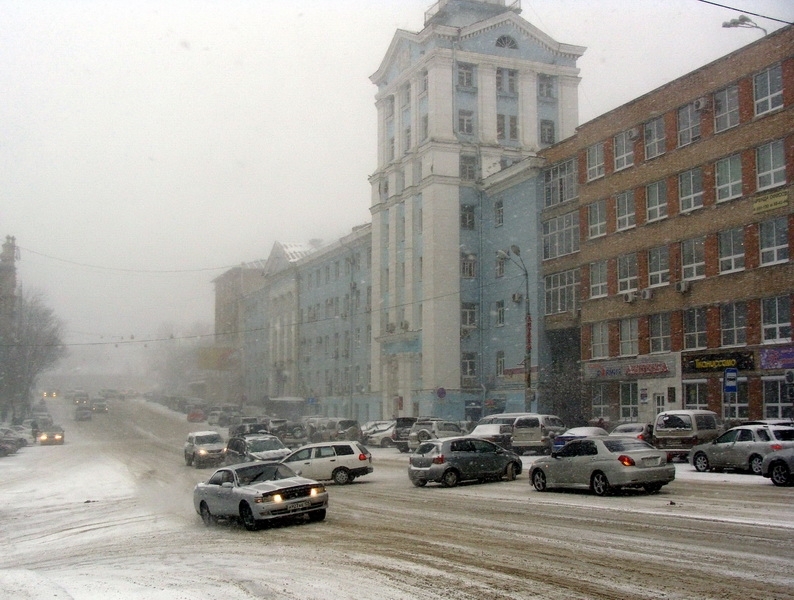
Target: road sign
[{"x": 730, "y": 381}]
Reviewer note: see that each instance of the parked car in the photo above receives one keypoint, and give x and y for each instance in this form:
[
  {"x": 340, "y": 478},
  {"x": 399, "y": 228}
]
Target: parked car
[
  {"x": 341, "y": 462},
  {"x": 742, "y": 447},
  {"x": 575, "y": 434},
  {"x": 678, "y": 431},
  {"x": 499, "y": 434},
  {"x": 602, "y": 464},
  {"x": 532, "y": 432},
  {"x": 401, "y": 432},
  {"x": 374, "y": 426},
  {"x": 779, "y": 467},
  {"x": 431, "y": 428},
  {"x": 642, "y": 431},
  {"x": 254, "y": 448},
  {"x": 320, "y": 429},
  {"x": 82, "y": 413},
  {"x": 381, "y": 437},
  {"x": 51, "y": 435},
  {"x": 204, "y": 448},
  {"x": 452, "y": 460},
  {"x": 256, "y": 493},
  {"x": 248, "y": 428},
  {"x": 13, "y": 437}
]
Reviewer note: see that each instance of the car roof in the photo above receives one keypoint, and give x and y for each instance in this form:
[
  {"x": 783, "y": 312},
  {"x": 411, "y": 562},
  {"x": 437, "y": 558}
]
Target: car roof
[{"x": 207, "y": 432}]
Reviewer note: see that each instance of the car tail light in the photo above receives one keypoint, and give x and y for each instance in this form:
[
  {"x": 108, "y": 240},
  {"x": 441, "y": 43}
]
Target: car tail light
[
  {"x": 626, "y": 461},
  {"x": 362, "y": 456},
  {"x": 438, "y": 460},
  {"x": 776, "y": 447}
]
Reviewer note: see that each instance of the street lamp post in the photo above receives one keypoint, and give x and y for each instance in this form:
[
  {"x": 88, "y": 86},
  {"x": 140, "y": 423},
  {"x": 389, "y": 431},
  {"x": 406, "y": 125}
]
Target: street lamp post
[
  {"x": 743, "y": 21},
  {"x": 515, "y": 250}
]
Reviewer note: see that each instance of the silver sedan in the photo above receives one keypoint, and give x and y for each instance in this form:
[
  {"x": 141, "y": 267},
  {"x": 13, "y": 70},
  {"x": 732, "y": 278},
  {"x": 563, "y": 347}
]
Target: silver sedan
[
  {"x": 259, "y": 492},
  {"x": 742, "y": 447},
  {"x": 602, "y": 464}
]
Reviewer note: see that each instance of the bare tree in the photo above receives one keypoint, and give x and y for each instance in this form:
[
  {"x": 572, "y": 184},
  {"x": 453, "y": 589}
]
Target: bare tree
[{"x": 30, "y": 346}]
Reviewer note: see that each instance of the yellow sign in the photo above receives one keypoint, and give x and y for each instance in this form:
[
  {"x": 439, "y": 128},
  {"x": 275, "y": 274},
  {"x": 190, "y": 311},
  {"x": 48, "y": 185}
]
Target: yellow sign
[{"x": 770, "y": 201}]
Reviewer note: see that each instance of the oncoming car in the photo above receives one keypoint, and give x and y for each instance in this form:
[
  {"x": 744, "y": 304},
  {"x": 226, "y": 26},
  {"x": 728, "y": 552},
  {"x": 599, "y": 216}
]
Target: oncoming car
[
  {"x": 256, "y": 493},
  {"x": 50, "y": 436},
  {"x": 602, "y": 464}
]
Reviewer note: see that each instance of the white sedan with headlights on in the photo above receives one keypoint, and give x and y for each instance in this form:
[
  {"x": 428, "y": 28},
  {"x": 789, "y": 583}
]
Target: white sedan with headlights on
[
  {"x": 603, "y": 464},
  {"x": 258, "y": 492}
]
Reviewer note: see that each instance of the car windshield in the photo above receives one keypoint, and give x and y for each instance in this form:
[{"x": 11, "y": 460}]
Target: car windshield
[
  {"x": 209, "y": 439},
  {"x": 266, "y": 472},
  {"x": 626, "y": 444},
  {"x": 426, "y": 448},
  {"x": 264, "y": 445},
  {"x": 627, "y": 428}
]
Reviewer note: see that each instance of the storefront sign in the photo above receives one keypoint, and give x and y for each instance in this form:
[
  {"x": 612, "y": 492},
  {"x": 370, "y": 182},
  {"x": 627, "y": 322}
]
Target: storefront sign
[
  {"x": 770, "y": 201},
  {"x": 629, "y": 369},
  {"x": 705, "y": 363},
  {"x": 777, "y": 358}
]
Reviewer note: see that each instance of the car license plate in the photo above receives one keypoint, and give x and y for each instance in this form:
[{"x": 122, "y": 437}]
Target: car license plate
[
  {"x": 300, "y": 505},
  {"x": 650, "y": 461}
]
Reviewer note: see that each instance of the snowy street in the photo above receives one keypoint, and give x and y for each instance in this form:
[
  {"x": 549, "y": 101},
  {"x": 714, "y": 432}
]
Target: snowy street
[{"x": 109, "y": 515}]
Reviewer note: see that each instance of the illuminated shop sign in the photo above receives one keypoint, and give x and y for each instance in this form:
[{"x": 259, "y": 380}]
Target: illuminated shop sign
[
  {"x": 777, "y": 358},
  {"x": 629, "y": 370},
  {"x": 705, "y": 363}
]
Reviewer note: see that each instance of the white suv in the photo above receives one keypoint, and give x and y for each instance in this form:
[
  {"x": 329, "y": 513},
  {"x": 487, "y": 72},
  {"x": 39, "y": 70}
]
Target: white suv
[
  {"x": 204, "y": 448},
  {"x": 341, "y": 462}
]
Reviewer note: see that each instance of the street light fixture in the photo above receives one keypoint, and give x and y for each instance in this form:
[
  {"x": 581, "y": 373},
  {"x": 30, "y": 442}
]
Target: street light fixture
[
  {"x": 516, "y": 251},
  {"x": 743, "y": 21}
]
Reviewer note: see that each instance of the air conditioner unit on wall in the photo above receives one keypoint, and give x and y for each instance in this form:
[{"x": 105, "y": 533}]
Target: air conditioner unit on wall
[
  {"x": 701, "y": 103},
  {"x": 629, "y": 296},
  {"x": 646, "y": 294},
  {"x": 682, "y": 286},
  {"x": 633, "y": 133}
]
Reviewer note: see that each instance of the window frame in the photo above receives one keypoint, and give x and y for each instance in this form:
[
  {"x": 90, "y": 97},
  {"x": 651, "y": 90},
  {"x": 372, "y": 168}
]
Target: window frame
[
  {"x": 629, "y": 336},
  {"x": 730, "y": 250},
  {"x": 730, "y": 188},
  {"x": 595, "y": 161},
  {"x": 625, "y": 210},
  {"x": 693, "y": 259},
  {"x": 597, "y": 219},
  {"x": 726, "y": 110},
  {"x": 688, "y": 120},
  {"x": 771, "y": 79},
  {"x": 694, "y": 328},
  {"x": 656, "y": 201},
  {"x": 780, "y": 244},
  {"x": 690, "y": 190},
  {"x": 733, "y": 324},
  {"x": 654, "y": 136},
  {"x": 628, "y": 273},
  {"x": 623, "y": 147},
  {"x": 658, "y": 276},
  {"x": 599, "y": 340},
  {"x": 778, "y": 323},
  {"x": 777, "y": 165},
  {"x": 660, "y": 332},
  {"x": 599, "y": 286}
]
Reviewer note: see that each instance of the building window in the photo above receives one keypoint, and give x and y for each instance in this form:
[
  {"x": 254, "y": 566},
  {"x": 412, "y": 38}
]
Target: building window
[
  {"x": 693, "y": 261},
  {"x": 500, "y": 363},
  {"x": 561, "y": 291},
  {"x": 500, "y": 266},
  {"x": 595, "y": 161},
  {"x": 467, "y": 217},
  {"x": 629, "y": 401},
  {"x": 498, "y": 213},
  {"x": 406, "y": 139},
  {"x": 599, "y": 340},
  {"x": 600, "y": 401},
  {"x": 768, "y": 90},
  {"x": 656, "y": 200},
  {"x": 468, "y": 369},
  {"x": 468, "y": 167},
  {"x": 624, "y": 150},
  {"x": 546, "y": 87},
  {"x": 731, "y": 248},
  {"x": 688, "y": 125},
  {"x": 468, "y": 266},
  {"x": 726, "y": 108},
  {"x": 506, "y": 81},
  {"x": 775, "y": 404},
  {"x": 776, "y": 319},
  {"x": 598, "y": 279},
  {"x": 729, "y": 178},
  {"x": 658, "y": 266},
  {"x": 654, "y": 138},
  {"x": 465, "y": 76},
  {"x": 561, "y": 235},
  {"x": 546, "y": 131},
  {"x": 506, "y": 127},
  {"x": 695, "y": 395},
  {"x": 659, "y": 326},
  {"x": 625, "y": 210},
  {"x": 559, "y": 183},
  {"x": 629, "y": 337},
  {"x": 694, "y": 328},
  {"x": 597, "y": 219},
  {"x": 505, "y": 41},
  {"x": 771, "y": 165},
  {"x": 774, "y": 241},
  {"x": 468, "y": 314},
  {"x": 499, "y": 310},
  {"x": 627, "y": 273},
  {"x": 466, "y": 122},
  {"x": 733, "y": 324},
  {"x": 690, "y": 190}
]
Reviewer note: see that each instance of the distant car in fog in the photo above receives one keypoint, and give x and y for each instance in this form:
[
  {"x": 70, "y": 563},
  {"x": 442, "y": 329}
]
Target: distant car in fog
[
  {"x": 51, "y": 436},
  {"x": 204, "y": 448},
  {"x": 99, "y": 406},
  {"x": 83, "y": 413}
]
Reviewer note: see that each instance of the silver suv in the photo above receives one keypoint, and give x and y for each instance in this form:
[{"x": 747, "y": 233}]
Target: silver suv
[
  {"x": 532, "y": 432},
  {"x": 204, "y": 448},
  {"x": 430, "y": 428}
]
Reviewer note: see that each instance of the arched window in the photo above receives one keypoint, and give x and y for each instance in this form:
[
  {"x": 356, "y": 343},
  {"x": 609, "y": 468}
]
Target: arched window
[{"x": 505, "y": 41}]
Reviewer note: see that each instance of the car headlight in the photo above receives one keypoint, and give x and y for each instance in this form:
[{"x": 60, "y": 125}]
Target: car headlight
[
  {"x": 315, "y": 491},
  {"x": 43, "y": 437},
  {"x": 202, "y": 451},
  {"x": 273, "y": 497}
]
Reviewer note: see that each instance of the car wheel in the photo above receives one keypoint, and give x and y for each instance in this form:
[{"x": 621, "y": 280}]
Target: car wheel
[
  {"x": 206, "y": 515},
  {"x": 188, "y": 459},
  {"x": 450, "y": 478},
  {"x": 755, "y": 464},
  {"x": 701, "y": 462},
  {"x": 511, "y": 471},
  {"x": 652, "y": 488},
  {"x": 341, "y": 476},
  {"x": 423, "y": 436},
  {"x": 539, "y": 480},
  {"x": 247, "y": 517},
  {"x": 386, "y": 443},
  {"x": 599, "y": 484},
  {"x": 419, "y": 482},
  {"x": 317, "y": 515},
  {"x": 780, "y": 474}
]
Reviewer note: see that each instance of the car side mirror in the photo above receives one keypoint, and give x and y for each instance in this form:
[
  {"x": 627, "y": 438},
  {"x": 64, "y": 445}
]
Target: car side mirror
[{"x": 555, "y": 455}]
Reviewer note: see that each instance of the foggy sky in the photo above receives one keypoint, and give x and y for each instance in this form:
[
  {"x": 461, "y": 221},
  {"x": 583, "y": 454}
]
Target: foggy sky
[{"x": 145, "y": 147}]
